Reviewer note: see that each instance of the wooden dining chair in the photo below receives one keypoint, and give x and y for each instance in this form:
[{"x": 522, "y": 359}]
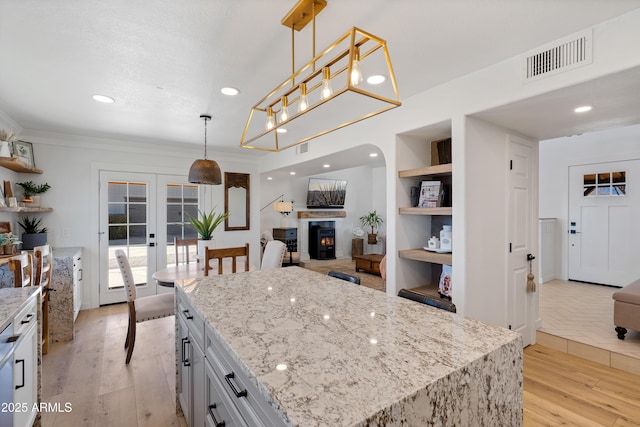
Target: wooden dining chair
[
  {"x": 140, "y": 309},
  {"x": 221, "y": 253},
  {"x": 42, "y": 271},
  {"x": 21, "y": 267},
  {"x": 183, "y": 246}
]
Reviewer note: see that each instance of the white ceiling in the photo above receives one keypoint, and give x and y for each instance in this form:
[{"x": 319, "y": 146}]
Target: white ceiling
[{"x": 164, "y": 61}]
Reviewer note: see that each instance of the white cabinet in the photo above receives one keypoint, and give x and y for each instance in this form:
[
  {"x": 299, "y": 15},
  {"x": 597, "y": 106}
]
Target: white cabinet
[
  {"x": 190, "y": 365},
  {"x": 77, "y": 283},
  {"x": 212, "y": 388},
  {"x": 19, "y": 371}
]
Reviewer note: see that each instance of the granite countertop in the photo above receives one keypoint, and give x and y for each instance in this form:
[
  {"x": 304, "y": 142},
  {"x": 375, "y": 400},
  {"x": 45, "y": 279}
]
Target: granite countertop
[
  {"x": 65, "y": 252},
  {"x": 349, "y": 351},
  {"x": 12, "y": 300}
]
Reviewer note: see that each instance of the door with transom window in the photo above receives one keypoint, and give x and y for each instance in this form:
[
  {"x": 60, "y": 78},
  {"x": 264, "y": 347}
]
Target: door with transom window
[{"x": 141, "y": 214}]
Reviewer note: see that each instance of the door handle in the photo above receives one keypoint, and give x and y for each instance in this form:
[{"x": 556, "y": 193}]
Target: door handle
[{"x": 152, "y": 244}]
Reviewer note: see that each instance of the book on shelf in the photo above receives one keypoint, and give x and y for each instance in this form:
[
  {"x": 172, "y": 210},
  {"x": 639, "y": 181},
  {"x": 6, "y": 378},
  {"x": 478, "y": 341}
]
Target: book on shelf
[{"x": 430, "y": 194}]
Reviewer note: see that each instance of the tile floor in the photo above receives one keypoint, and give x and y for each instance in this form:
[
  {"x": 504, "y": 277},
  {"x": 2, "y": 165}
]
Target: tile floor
[{"x": 583, "y": 313}]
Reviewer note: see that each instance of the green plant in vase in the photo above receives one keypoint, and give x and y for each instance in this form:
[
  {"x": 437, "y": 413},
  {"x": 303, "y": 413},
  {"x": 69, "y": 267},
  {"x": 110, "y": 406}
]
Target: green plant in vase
[
  {"x": 205, "y": 225},
  {"x": 32, "y": 190},
  {"x": 8, "y": 242},
  {"x": 373, "y": 220},
  {"x": 35, "y": 234}
]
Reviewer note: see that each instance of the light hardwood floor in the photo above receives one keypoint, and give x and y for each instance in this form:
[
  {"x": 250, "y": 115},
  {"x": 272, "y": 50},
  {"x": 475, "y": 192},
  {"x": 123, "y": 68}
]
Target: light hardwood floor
[{"x": 90, "y": 374}]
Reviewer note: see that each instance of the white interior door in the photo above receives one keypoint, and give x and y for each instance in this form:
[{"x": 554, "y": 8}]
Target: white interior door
[
  {"x": 521, "y": 214},
  {"x": 604, "y": 233}
]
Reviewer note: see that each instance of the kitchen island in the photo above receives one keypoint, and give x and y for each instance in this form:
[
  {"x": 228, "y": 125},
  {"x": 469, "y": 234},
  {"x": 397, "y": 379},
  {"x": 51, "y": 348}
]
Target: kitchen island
[{"x": 306, "y": 349}]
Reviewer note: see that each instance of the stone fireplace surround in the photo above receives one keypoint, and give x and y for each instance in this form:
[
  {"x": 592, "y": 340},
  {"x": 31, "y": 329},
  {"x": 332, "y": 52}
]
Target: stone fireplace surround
[{"x": 305, "y": 217}]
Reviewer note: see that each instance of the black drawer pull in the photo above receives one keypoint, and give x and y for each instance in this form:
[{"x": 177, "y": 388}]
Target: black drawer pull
[
  {"x": 29, "y": 316},
  {"x": 238, "y": 394},
  {"x": 186, "y": 313},
  {"x": 185, "y": 362},
  {"x": 21, "y": 361},
  {"x": 216, "y": 423}
]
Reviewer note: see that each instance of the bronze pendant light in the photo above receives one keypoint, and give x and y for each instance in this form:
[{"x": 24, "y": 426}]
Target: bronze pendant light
[{"x": 205, "y": 171}]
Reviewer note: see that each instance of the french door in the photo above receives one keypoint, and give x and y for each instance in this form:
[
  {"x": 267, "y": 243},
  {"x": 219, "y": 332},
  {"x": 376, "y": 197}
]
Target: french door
[{"x": 141, "y": 213}]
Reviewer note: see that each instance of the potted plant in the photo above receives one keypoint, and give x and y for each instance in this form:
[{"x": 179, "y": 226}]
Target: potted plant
[
  {"x": 34, "y": 233},
  {"x": 8, "y": 242},
  {"x": 373, "y": 220},
  {"x": 205, "y": 227},
  {"x": 32, "y": 192}
]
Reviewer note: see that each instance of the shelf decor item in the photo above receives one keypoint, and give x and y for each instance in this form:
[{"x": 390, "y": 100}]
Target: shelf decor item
[
  {"x": 24, "y": 152},
  {"x": 32, "y": 192},
  {"x": 373, "y": 220},
  {"x": 205, "y": 226},
  {"x": 35, "y": 234},
  {"x": 6, "y": 142}
]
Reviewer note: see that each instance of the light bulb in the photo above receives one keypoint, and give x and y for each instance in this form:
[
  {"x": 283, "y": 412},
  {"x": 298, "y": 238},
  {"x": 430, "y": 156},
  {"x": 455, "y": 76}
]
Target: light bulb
[
  {"x": 326, "y": 91},
  {"x": 271, "y": 120},
  {"x": 284, "y": 113},
  {"x": 304, "y": 100},
  {"x": 356, "y": 73}
]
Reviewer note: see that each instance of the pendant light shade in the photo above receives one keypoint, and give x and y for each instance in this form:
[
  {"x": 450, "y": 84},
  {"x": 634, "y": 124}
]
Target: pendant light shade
[{"x": 204, "y": 171}]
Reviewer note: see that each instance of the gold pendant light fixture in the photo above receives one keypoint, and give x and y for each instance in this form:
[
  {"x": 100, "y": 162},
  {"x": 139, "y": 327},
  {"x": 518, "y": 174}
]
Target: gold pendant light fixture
[
  {"x": 331, "y": 91},
  {"x": 204, "y": 171}
]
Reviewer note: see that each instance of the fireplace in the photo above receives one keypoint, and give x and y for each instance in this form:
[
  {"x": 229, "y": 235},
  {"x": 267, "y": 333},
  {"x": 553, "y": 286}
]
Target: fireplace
[{"x": 322, "y": 240}]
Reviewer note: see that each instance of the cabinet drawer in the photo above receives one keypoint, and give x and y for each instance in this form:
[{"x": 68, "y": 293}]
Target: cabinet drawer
[
  {"x": 239, "y": 387},
  {"x": 25, "y": 318},
  {"x": 219, "y": 407},
  {"x": 191, "y": 318}
]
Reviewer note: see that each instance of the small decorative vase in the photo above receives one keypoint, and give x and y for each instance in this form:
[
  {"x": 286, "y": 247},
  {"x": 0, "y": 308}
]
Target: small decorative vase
[
  {"x": 202, "y": 244},
  {"x": 35, "y": 201},
  {"x": 372, "y": 239},
  {"x": 8, "y": 249},
  {"x": 5, "y": 149}
]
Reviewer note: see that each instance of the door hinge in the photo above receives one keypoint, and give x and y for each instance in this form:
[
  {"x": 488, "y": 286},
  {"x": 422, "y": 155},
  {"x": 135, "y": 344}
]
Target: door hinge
[{"x": 509, "y": 326}]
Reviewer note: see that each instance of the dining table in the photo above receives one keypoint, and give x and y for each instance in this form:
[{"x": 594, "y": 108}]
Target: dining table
[{"x": 168, "y": 276}]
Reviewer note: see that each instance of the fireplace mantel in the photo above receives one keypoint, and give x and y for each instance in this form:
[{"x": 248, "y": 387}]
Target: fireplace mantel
[
  {"x": 304, "y": 218},
  {"x": 321, "y": 214}
]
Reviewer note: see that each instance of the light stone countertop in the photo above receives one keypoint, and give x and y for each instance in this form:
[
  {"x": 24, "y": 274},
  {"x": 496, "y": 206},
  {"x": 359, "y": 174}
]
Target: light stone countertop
[
  {"x": 11, "y": 300},
  {"x": 356, "y": 356}
]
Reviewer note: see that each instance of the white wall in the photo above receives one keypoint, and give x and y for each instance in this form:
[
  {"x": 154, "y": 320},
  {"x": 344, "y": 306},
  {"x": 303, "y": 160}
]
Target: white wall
[
  {"x": 556, "y": 155},
  {"x": 365, "y": 192},
  {"x": 70, "y": 166}
]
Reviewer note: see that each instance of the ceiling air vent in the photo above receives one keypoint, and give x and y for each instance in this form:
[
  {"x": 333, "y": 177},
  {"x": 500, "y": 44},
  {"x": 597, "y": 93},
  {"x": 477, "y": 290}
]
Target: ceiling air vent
[
  {"x": 303, "y": 148},
  {"x": 560, "y": 56}
]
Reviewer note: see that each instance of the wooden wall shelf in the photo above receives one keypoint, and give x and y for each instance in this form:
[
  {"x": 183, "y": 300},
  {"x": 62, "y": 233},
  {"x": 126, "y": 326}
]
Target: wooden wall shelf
[
  {"x": 16, "y": 165},
  {"x": 436, "y": 170},
  {"x": 425, "y": 211},
  {"x": 321, "y": 214},
  {"x": 24, "y": 209},
  {"x": 426, "y": 256}
]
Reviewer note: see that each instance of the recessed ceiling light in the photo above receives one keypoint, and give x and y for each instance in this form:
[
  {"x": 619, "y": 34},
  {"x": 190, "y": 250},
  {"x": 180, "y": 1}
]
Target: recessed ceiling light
[
  {"x": 373, "y": 155},
  {"x": 281, "y": 130},
  {"x": 583, "y": 109},
  {"x": 281, "y": 367},
  {"x": 230, "y": 91},
  {"x": 292, "y": 173},
  {"x": 326, "y": 166},
  {"x": 376, "y": 79},
  {"x": 104, "y": 99},
  {"x": 269, "y": 178}
]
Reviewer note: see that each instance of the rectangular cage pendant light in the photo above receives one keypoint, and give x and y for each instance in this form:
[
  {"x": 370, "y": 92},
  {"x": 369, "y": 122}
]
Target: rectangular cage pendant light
[{"x": 331, "y": 91}]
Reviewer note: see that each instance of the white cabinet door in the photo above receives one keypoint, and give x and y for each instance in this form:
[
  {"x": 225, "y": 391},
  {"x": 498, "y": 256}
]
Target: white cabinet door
[
  {"x": 25, "y": 378},
  {"x": 184, "y": 371}
]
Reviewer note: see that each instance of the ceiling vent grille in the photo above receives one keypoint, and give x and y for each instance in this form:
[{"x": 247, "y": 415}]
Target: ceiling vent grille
[
  {"x": 303, "y": 148},
  {"x": 559, "y": 56}
]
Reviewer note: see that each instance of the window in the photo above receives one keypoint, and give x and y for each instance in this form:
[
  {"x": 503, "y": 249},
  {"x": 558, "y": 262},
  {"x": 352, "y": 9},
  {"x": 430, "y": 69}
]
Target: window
[{"x": 605, "y": 184}]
